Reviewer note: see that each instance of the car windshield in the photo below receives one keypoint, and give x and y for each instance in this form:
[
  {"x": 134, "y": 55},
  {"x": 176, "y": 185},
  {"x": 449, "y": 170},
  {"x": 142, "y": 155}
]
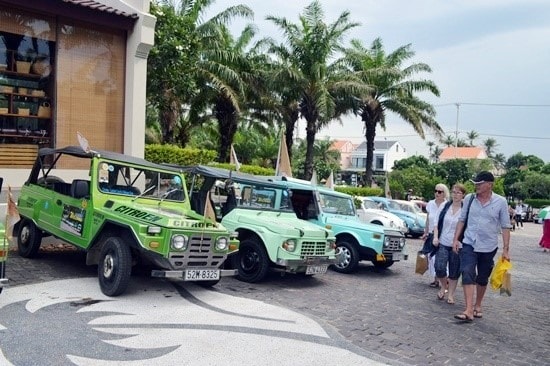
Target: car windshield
[
  {"x": 370, "y": 204},
  {"x": 116, "y": 178},
  {"x": 336, "y": 204},
  {"x": 393, "y": 205},
  {"x": 409, "y": 207}
]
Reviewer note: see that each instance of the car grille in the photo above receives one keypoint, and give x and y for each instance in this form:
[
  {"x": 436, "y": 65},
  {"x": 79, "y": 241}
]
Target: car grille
[
  {"x": 198, "y": 254},
  {"x": 310, "y": 248},
  {"x": 394, "y": 245}
]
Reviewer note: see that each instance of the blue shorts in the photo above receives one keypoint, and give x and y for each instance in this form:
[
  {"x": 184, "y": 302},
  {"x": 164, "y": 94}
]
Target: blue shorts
[
  {"x": 446, "y": 256},
  {"x": 476, "y": 267}
]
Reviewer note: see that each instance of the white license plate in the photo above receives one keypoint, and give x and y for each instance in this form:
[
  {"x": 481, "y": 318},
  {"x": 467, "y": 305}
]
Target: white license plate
[
  {"x": 397, "y": 256},
  {"x": 316, "y": 269},
  {"x": 201, "y": 274}
]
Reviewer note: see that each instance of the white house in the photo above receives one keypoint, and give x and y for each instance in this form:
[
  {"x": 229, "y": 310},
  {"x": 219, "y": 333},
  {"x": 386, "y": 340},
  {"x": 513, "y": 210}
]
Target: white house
[{"x": 386, "y": 153}]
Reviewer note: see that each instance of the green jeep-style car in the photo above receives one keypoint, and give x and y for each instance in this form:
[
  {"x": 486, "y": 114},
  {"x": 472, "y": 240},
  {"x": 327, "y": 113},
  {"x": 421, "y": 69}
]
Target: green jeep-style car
[
  {"x": 355, "y": 240},
  {"x": 128, "y": 209},
  {"x": 270, "y": 234}
]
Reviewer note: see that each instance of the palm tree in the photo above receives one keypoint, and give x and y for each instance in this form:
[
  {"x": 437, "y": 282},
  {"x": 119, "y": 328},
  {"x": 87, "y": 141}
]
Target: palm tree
[
  {"x": 305, "y": 54},
  {"x": 392, "y": 89},
  {"x": 449, "y": 141},
  {"x": 490, "y": 144},
  {"x": 185, "y": 36},
  {"x": 472, "y": 136},
  {"x": 436, "y": 153},
  {"x": 499, "y": 160}
]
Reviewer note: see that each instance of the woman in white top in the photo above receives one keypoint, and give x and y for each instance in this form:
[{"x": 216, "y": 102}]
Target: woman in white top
[
  {"x": 444, "y": 232},
  {"x": 441, "y": 193}
]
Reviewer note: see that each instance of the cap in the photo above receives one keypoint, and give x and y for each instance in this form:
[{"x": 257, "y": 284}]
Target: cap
[{"x": 482, "y": 177}]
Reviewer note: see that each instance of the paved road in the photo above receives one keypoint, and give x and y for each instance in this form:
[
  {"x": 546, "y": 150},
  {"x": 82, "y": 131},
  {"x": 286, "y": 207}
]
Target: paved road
[{"x": 391, "y": 313}]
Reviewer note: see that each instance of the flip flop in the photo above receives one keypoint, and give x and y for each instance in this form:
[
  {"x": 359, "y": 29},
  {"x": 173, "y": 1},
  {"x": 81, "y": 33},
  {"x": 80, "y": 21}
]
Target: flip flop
[
  {"x": 464, "y": 318},
  {"x": 478, "y": 314},
  {"x": 440, "y": 296},
  {"x": 450, "y": 301}
]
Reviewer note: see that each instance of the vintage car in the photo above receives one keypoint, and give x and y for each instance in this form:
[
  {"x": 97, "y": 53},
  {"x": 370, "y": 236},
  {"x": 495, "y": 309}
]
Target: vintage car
[
  {"x": 409, "y": 212},
  {"x": 271, "y": 236},
  {"x": 369, "y": 212},
  {"x": 4, "y": 247},
  {"x": 355, "y": 240},
  {"x": 126, "y": 210}
]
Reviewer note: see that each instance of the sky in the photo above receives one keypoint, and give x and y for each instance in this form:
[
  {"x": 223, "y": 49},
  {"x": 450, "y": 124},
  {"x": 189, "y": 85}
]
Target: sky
[{"x": 489, "y": 59}]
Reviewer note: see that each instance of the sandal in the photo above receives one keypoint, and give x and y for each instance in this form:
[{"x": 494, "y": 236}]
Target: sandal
[
  {"x": 451, "y": 301},
  {"x": 464, "y": 318},
  {"x": 434, "y": 284},
  {"x": 440, "y": 296},
  {"x": 478, "y": 314}
]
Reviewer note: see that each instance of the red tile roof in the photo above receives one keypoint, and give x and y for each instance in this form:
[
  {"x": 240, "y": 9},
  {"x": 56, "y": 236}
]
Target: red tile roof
[
  {"x": 462, "y": 153},
  {"x": 95, "y": 5}
]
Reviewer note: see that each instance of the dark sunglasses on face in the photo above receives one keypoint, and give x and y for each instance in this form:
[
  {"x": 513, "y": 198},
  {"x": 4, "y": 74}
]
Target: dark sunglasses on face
[{"x": 437, "y": 191}]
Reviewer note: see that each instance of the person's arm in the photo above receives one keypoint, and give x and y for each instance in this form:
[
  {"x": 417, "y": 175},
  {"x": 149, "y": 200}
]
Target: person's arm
[
  {"x": 506, "y": 243},
  {"x": 426, "y": 227},
  {"x": 458, "y": 231}
]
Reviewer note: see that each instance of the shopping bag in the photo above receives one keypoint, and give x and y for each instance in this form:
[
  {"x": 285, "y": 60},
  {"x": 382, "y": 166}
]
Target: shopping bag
[
  {"x": 506, "y": 288},
  {"x": 497, "y": 275},
  {"x": 421, "y": 263}
]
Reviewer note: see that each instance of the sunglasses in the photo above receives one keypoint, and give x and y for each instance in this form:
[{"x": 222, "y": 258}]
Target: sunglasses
[{"x": 437, "y": 191}]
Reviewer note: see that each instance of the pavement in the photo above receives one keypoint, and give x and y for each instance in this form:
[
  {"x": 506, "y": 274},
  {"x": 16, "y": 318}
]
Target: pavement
[{"x": 373, "y": 317}]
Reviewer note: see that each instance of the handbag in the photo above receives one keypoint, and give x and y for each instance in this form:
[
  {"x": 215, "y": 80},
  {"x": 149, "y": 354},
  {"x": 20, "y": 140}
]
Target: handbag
[
  {"x": 44, "y": 110},
  {"x": 421, "y": 263}
]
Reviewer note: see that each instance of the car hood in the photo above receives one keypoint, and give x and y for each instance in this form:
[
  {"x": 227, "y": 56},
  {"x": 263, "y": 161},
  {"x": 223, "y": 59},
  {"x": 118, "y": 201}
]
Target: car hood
[
  {"x": 352, "y": 223},
  {"x": 279, "y": 222}
]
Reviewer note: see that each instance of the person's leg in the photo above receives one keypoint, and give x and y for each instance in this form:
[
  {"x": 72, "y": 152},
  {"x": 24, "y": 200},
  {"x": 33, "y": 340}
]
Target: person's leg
[
  {"x": 454, "y": 273},
  {"x": 440, "y": 264},
  {"x": 452, "y": 289},
  {"x": 485, "y": 264},
  {"x": 468, "y": 263}
]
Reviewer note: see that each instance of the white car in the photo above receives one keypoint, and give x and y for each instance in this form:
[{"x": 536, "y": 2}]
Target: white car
[{"x": 369, "y": 212}]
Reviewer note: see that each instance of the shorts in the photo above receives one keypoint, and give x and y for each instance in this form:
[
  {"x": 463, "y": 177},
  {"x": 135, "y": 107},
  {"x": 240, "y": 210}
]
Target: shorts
[
  {"x": 446, "y": 256},
  {"x": 475, "y": 267}
]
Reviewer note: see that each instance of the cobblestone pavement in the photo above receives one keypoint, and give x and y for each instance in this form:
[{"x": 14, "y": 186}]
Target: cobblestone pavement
[{"x": 393, "y": 313}]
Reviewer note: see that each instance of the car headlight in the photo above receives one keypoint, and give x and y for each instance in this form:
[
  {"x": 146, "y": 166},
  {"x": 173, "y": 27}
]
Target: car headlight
[
  {"x": 402, "y": 242},
  {"x": 386, "y": 241},
  {"x": 178, "y": 242},
  {"x": 289, "y": 245},
  {"x": 221, "y": 243}
]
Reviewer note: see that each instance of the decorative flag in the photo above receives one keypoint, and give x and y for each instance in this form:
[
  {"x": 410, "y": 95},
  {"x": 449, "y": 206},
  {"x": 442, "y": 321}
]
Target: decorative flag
[
  {"x": 83, "y": 142},
  {"x": 330, "y": 181},
  {"x": 283, "y": 160},
  {"x": 233, "y": 159},
  {"x": 387, "y": 188},
  {"x": 12, "y": 216},
  {"x": 208, "y": 209},
  {"x": 314, "y": 178}
]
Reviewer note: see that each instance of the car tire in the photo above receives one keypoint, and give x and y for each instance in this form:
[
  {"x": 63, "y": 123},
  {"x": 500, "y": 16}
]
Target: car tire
[
  {"x": 383, "y": 265},
  {"x": 115, "y": 266},
  {"x": 29, "y": 238},
  {"x": 350, "y": 260},
  {"x": 251, "y": 261}
]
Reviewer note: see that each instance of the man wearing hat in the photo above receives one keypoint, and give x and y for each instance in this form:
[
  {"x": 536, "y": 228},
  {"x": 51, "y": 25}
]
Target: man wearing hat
[{"x": 484, "y": 216}]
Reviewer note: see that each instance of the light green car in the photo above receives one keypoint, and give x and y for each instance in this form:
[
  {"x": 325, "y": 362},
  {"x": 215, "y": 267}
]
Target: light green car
[{"x": 270, "y": 234}]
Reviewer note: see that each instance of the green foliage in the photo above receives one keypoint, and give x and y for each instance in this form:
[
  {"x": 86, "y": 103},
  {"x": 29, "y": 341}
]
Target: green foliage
[
  {"x": 538, "y": 202},
  {"x": 249, "y": 169},
  {"x": 415, "y": 160},
  {"x": 360, "y": 191},
  {"x": 171, "y": 154},
  {"x": 421, "y": 181}
]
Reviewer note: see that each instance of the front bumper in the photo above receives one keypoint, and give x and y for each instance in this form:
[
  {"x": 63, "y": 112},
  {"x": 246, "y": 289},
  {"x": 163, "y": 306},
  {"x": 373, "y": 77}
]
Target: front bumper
[
  {"x": 300, "y": 265},
  {"x": 181, "y": 274}
]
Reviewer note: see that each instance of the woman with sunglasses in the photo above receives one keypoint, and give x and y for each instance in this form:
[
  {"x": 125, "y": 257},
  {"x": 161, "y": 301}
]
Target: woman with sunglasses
[{"x": 441, "y": 194}]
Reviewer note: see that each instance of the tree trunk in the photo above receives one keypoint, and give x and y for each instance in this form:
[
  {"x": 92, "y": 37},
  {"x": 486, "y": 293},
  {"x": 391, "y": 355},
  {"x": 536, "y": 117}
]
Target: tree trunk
[
  {"x": 228, "y": 121},
  {"x": 290, "y": 124}
]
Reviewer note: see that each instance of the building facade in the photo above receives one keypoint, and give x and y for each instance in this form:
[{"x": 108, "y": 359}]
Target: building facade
[
  {"x": 386, "y": 153},
  {"x": 69, "y": 66}
]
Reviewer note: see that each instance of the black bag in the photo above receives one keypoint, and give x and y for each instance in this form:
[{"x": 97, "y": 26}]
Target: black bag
[{"x": 461, "y": 236}]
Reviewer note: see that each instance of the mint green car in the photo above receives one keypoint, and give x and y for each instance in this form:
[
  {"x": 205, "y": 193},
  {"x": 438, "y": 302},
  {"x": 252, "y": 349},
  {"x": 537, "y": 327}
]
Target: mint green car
[
  {"x": 271, "y": 236},
  {"x": 355, "y": 240}
]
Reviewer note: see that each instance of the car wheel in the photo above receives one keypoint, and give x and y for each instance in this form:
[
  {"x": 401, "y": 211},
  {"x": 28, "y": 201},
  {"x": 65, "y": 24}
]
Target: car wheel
[
  {"x": 349, "y": 257},
  {"x": 382, "y": 265},
  {"x": 251, "y": 261},
  {"x": 115, "y": 266},
  {"x": 29, "y": 238}
]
